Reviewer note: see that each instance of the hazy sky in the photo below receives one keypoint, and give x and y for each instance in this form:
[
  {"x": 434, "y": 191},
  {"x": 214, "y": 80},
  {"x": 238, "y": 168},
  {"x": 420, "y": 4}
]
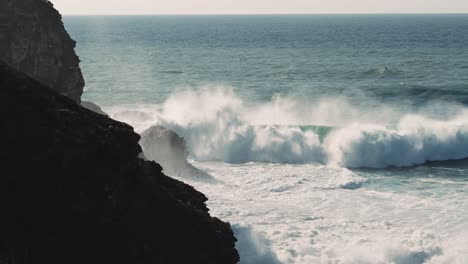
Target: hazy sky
[{"x": 69, "y": 7}]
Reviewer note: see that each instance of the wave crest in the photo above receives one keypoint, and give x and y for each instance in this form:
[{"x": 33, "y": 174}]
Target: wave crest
[
  {"x": 219, "y": 125},
  {"x": 229, "y": 140},
  {"x": 415, "y": 140}
]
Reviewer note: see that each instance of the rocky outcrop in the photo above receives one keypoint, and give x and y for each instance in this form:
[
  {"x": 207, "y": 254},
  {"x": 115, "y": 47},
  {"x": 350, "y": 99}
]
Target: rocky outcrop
[
  {"x": 93, "y": 107},
  {"x": 170, "y": 150},
  {"x": 33, "y": 40},
  {"x": 73, "y": 189}
]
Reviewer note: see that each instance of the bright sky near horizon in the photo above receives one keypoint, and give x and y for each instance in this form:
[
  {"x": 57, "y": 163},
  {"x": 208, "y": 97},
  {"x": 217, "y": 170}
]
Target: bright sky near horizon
[{"x": 108, "y": 7}]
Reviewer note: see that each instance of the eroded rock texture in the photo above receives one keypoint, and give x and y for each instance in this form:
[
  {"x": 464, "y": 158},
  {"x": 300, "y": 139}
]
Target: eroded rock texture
[
  {"x": 73, "y": 190},
  {"x": 33, "y": 40}
]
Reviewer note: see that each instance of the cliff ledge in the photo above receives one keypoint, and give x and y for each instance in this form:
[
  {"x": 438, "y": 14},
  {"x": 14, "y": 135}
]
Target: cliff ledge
[
  {"x": 73, "y": 189},
  {"x": 33, "y": 40}
]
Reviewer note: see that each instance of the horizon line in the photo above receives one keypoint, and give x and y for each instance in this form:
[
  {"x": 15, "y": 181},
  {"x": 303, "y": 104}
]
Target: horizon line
[{"x": 266, "y": 14}]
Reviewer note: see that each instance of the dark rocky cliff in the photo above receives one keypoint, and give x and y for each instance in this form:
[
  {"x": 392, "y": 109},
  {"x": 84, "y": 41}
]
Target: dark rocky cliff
[
  {"x": 73, "y": 190},
  {"x": 33, "y": 40}
]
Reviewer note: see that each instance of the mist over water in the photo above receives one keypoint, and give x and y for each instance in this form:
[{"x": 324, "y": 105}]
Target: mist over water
[
  {"x": 330, "y": 139},
  {"x": 287, "y": 130}
]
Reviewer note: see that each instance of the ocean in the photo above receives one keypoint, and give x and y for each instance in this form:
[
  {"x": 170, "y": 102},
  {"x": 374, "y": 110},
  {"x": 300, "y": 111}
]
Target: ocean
[{"x": 331, "y": 138}]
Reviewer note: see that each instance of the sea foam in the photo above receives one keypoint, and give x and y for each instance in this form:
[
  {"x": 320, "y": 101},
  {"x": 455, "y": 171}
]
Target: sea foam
[{"x": 219, "y": 126}]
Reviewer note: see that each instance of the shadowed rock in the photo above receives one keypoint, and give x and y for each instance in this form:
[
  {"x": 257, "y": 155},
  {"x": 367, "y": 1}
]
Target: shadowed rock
[
  {"x": 33, "y": 40},
  {"x": 169, "y": 149},
  {"x": 93, "y": 107},
  {"x": 74, "y": 190}
]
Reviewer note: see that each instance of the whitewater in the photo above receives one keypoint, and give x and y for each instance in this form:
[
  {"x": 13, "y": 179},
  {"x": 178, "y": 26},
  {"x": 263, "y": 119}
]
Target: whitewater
[
  {"x": 321, "y": 139},
  {"x": 291, "y": 193},
  {"x": 219, "y": 126}
]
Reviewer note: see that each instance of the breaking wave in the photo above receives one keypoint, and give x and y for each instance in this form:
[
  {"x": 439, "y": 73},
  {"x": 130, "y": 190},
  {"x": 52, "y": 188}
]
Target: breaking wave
[{"x": 219, "y": 126}]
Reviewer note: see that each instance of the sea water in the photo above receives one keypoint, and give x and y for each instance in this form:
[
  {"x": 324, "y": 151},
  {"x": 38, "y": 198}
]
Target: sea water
[{"x": 332, "y": 138}]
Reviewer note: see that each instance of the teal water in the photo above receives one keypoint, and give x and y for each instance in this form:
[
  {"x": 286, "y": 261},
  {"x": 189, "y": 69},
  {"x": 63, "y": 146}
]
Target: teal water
[
  {"x": 381, "y": 97},
  {"x": 260, "y": 56}
]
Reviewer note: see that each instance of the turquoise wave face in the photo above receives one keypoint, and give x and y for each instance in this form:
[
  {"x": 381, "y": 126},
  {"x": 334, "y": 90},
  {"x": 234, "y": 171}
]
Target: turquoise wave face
[{"x": 321, "y": 131}]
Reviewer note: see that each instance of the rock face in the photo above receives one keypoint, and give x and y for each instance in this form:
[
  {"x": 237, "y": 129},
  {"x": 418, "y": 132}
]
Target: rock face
[
  {"x": 169, "y": 149},
  {"x": 33, "y": 40},
  {"x": 73, "y": 190},
  {"x": 93, "y": 107}
]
